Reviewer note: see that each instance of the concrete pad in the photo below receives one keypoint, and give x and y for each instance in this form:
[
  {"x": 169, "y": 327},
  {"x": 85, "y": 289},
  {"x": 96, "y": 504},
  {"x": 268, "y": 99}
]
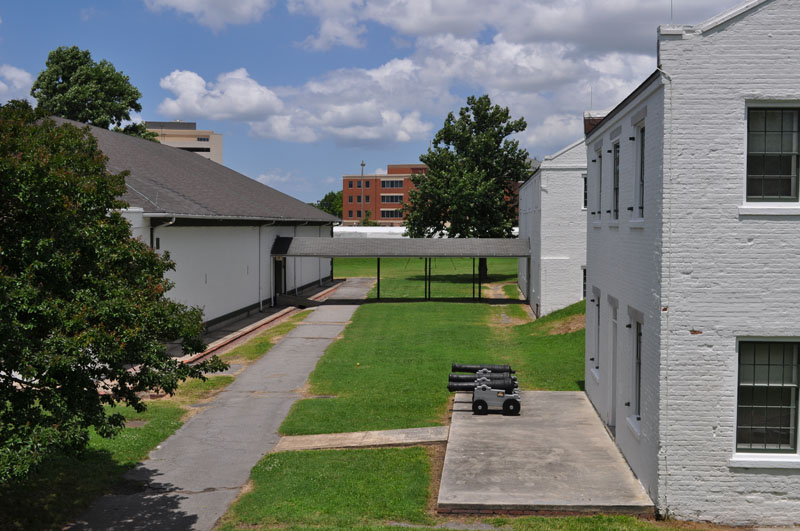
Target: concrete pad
[
  {"x": 556, "y": 456},
  {"x": 358, "y": 439},
  {"x": 355, "y": 288}
]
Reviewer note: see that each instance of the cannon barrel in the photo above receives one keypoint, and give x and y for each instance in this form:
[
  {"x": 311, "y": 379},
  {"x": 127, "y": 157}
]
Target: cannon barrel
[
  {"x": 470, "y": 378},
  {"x": 458, "y": 367},
  {"x": 507, "y": 384}
]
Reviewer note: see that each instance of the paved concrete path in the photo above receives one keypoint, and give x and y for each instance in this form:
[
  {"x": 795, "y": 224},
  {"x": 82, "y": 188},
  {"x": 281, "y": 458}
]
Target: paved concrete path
[
  {"x": 555, "y": 456},
  {"x": 357, "y": 439},
  {"x": 194, "y": 475}
]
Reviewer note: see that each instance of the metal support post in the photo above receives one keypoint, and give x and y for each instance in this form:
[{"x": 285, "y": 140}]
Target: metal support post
[{"x": 379, "y": 277}]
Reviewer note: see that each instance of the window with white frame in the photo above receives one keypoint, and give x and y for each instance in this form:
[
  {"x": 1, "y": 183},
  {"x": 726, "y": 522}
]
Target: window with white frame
[
  {"x": 585, "y": 204},
  {"x": 766, "y": 404},
  {"x": 599, "y": 184},
  {"x": 640, "y": 174},
  {"x": 583, "y": 292},
  {"x": 637, "y": 370},
  {"x": 615, "y": 204},
  {"x": 772, "y": 154},
  {"x": 388, "y": 214}
]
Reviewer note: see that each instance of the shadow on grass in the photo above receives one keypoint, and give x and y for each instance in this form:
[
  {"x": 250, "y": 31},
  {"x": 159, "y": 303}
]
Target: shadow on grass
[
  {"x": 581, "y": 384},
  {"x": 483, "y": 300},
  {"x": 65, "y": 486}
]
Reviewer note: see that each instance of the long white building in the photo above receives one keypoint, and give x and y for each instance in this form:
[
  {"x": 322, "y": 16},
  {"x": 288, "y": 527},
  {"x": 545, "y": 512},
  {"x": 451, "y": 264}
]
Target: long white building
[
  {"x": 218, "y": 226},
  {"x": 693, "y": 240},
  {"x": 552, "y": 215}
]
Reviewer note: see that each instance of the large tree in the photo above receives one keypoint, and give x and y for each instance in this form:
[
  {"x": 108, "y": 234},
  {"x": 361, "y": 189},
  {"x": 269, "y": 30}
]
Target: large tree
[
  {"x": 84, "y": 316},
  {"x": 76, "y": 87},
  {"x": 331, "y": 203},
  {"x": 469, "y": 190}
]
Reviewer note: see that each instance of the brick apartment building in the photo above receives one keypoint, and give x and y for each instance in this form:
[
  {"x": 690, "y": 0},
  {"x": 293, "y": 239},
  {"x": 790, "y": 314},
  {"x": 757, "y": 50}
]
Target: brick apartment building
[{"x": 382, "y": 196}]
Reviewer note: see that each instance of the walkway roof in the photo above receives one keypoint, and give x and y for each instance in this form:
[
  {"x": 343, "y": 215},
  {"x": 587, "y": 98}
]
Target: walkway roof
[{"x": 401, "y": 247}]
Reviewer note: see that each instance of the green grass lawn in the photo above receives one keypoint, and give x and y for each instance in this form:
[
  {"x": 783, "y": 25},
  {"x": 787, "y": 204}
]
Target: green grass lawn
[
  {"x": 404, "y": 277},
  {"x": 335, "y": 488},
  {"x": 404, "y": 352}
]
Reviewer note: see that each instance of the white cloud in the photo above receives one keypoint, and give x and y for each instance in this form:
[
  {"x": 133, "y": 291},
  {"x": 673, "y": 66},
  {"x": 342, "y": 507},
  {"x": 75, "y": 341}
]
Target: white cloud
[
  {"x": 216, "y": 14},
  {"x": 234, "y": 96},
  {"x": 556, "y": 129},
  {"x": 273, "y": 178},
  {"x": 379, "y": 171},
  {"x": 15, "y": 83},
  {"x": 339, "y": 24}
]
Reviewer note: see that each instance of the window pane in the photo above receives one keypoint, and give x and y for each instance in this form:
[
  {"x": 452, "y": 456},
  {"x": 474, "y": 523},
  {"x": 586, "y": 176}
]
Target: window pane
[
  {"x": 755, "y": 165},
  {"x": 774, "y": 120},
  {"x": 772, "y": 165},
  {"x": 774, "y": 142},
  {"x": 756, "y": 142},
  {"x": 789, "y": 144},
  {"x": 789, "y": 120},
  {"x": 756, "y": 120},
  {"x": 755, "y": 187}
]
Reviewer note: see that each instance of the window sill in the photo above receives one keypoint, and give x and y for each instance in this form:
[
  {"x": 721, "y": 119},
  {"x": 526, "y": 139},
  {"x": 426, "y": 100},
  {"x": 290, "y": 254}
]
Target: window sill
[
  {"x": 596, "y": 224},
  {"x": 637, "y": 223},
  {"x": 764, "y": 461},
  {"x": 613, "y": 224},
  {"x": 754, "y": 209},
  {"x": 595, "y": 374},
  {"x": 635, "y": 426}
]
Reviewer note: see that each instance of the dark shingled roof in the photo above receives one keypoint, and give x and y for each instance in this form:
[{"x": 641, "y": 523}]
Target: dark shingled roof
[
  {"x": 169, "y": 181},
  {"x": 401, "y": 247}
]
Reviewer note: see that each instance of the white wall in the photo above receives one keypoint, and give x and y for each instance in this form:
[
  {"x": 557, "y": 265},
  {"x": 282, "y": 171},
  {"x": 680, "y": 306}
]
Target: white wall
[
  {"x": 730, "y": 269},
  {"x": 529, "y": 222},
  {"x": 552, "y": 216},
  {"x": 563, "y": 225},
  {"x": 623, "y": 270},
  {"x": 216, "y": 268}
]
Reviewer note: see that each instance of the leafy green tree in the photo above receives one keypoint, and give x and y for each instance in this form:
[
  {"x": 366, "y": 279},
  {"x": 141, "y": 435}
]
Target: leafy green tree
[
  {"x": 137, "y": 129},
  {"x": 74, "y": 86},
  {"x": 331, "y": 203},
  {"x": 368, "y": 221},
  {"x": 469, "y": 190},
  {"x": 84, "y": 316}
]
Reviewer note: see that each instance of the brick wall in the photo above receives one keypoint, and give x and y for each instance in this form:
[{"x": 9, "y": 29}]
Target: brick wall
[{"x": 727, "y": 273}]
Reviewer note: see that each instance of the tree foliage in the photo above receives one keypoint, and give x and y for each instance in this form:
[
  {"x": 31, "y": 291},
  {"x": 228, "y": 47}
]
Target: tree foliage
[
  {"x": 331, "y": 203},
  {"x": 138, "y": 129},
  {"x": 83, "y": 312},
  {"x": 74, "y": 86},
  {"x": 469, "y": 190}
]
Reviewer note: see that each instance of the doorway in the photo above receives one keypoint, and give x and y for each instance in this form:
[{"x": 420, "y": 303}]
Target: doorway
[{"x": 279, "y": 272}]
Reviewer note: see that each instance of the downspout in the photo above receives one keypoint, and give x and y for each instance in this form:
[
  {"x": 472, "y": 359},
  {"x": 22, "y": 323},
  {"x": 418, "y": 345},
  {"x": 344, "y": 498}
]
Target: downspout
[
  {"x": 153, "y": 231},
  {"x": 260, "y": 299}
]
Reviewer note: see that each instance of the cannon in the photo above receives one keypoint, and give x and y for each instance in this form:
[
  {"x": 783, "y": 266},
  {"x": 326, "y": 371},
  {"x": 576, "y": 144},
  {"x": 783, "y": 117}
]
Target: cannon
[
  {"x": 485, "y": 397},
  {"x": 472, "y": 377},
  {"x": 459, "y": 367},
  {"x": 492, "y": 386},
  {"x": 505, "y": 383}
]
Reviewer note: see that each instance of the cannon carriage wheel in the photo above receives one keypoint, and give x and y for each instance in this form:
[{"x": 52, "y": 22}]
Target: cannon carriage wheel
[{"x": 480, "y": 407}]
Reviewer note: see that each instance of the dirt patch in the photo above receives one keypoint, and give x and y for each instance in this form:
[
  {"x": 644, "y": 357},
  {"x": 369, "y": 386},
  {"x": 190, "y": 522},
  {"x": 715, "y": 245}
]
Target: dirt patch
[
  {"x": 436, "y": 455},
  {"x": 571, "y": 324},
  {"x": 135, "y": 423},
  {"x": 500, "y": 319}
]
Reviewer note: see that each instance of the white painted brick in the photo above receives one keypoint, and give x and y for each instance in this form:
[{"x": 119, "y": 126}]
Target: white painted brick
[
  {"x": 553, "y": 218},
  {"x": 716, "y": 271}
]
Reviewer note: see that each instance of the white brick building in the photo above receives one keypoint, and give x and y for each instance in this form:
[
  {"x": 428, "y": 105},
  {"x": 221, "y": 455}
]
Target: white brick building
[
  {"x": 693, "y": 328},
  {"x": 552, "y": 214}
]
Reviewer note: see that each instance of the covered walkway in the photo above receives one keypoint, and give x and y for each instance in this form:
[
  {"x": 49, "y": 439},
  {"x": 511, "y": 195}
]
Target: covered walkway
[{"x": 426, "y": 248}]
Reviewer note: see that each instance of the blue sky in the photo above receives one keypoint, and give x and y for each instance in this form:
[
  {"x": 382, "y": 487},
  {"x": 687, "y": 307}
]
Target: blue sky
[{"x": 303, "y": 90}]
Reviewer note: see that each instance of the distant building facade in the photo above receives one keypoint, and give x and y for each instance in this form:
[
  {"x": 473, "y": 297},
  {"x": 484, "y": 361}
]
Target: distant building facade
[
  {"x": 186, "y": 136},
  {"x": 552, "y": 215},
  {"x": 380, "y": 195}
]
